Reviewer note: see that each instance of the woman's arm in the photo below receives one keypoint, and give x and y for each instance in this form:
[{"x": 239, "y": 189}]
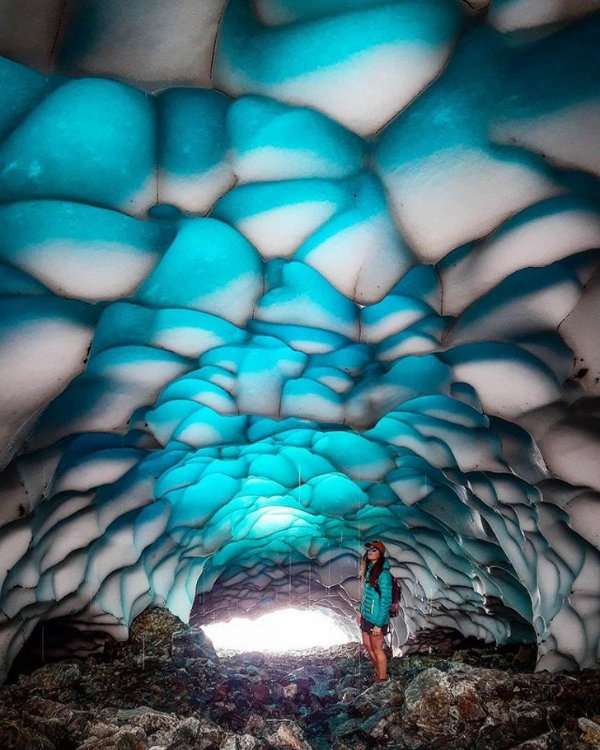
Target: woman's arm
[{"x": 382, "y": 615}]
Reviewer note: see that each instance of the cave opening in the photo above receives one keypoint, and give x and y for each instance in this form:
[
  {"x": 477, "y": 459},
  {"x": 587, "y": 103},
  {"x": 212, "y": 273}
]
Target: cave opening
[{"x": 280, "y": 631}]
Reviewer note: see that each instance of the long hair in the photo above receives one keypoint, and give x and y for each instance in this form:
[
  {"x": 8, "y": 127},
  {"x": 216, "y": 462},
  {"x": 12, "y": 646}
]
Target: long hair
[{"x": 376, "y": 569}]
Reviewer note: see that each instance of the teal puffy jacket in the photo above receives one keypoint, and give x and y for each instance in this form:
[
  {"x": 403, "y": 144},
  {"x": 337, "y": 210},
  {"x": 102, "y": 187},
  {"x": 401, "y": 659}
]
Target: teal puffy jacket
[{"x": 375, "y": 607}]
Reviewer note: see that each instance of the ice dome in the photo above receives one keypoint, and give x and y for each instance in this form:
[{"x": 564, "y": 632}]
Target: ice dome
[{"x": 279, "y": 277}]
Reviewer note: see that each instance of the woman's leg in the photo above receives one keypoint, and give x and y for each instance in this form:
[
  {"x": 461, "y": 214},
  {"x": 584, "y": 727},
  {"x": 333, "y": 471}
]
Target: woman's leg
[
  {"x": 380, "y": 659},
  {"x": 366, "y": 639}
]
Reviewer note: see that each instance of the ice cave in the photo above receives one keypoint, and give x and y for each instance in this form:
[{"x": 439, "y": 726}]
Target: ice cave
[{"x": 282, "y": 276}]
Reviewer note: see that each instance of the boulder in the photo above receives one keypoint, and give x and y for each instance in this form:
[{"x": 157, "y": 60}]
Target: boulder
[
  {"x": 590, "y": 732},
  {"x": 191, "y": 643},
  {"x": 288, "y": 736}
]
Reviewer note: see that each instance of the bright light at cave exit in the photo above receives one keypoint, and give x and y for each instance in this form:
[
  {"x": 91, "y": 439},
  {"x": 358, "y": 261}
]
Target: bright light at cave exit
[{"x": 283, "y": 630}]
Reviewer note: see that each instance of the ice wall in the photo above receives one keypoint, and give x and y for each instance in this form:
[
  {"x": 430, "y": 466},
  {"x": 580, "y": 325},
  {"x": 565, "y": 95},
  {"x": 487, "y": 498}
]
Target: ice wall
[{"x": 328, "y": 275}]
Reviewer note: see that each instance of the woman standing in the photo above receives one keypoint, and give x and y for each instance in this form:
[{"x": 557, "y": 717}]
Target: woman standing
[{"x": 374, "y": 615}]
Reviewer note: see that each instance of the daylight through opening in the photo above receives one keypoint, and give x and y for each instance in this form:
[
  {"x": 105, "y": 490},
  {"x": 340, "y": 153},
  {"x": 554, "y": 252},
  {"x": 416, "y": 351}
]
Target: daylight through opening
[{"x": 283, "y": 630}]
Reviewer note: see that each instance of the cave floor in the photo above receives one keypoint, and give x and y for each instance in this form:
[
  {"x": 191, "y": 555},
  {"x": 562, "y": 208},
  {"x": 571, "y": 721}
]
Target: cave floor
[{"x": 137, "y": 696}]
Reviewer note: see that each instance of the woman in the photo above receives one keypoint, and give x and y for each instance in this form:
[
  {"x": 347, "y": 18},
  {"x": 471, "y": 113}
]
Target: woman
[{"x": 374, "y": 615}]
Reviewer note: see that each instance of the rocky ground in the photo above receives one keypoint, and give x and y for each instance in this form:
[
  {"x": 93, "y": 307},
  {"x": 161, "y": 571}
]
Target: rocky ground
[{"x": 167, "y": 690}]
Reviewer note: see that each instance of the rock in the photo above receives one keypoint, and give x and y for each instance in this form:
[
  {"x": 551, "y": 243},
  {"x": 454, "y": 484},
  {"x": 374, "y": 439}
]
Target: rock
[
  {"x": 209, "y": 735},
  {"x": 16, "y": 736},
  {"x": 288, "y": 736},
  {"x": 348, "y": 695},
  {"x": 546, "y": 741},
  {"x": 525, "y": 657},
  {"x": 527, "y": 718},
  {"x": 240, "y": 742},
  {"x": 442, "y": 704},
  {"x": 53, "y": 729},
  {"x": 440, "y": 641},
  {"x": 154, "y": 728},
  {"x": 126, "y": 738},
  {"x": 348, "y": 681},
  {"x": 324, "y": 699},
  {"x": 130, "y": 739},
  {"x": 56, "y": 676},
  {"x": 187, "y": 730},
  {"x": 154, "y": 629},
  {"x": 148, "y": 719},
  {"x": 191, "y": 643},
  {"x": 49, "y": 709},
  {"x": 260, "y": 692},
  {"x": 377, "y": 726},
  {"x": 290, "y": 691},
  {"x": 255, "y": 724},
  {"x": 590, "y": 732},
  {"x": 347, "y": 728},
  {"x": 369, "y": 701},
  {"x": 102, "y": 731}
]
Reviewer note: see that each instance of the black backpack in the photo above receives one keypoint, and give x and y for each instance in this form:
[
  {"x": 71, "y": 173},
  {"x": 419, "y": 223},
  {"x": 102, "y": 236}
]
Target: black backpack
[{"x": 396, "y": 597}]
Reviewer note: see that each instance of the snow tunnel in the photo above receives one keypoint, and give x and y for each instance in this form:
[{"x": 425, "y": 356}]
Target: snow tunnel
[{"x": 279, "y": 277}]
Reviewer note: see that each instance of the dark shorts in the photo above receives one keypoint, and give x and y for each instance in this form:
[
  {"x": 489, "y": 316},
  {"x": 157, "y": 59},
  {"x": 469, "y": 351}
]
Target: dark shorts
[{"x": 367, "y": 626}]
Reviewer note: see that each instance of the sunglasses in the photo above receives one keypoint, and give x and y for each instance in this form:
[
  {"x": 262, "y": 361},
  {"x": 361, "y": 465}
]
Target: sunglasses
[{"x": 372, "y": 549}]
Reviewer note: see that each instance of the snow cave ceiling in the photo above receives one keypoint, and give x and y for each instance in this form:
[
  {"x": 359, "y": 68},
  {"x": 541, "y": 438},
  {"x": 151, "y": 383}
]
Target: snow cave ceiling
[{"x": 286, "y": 275}]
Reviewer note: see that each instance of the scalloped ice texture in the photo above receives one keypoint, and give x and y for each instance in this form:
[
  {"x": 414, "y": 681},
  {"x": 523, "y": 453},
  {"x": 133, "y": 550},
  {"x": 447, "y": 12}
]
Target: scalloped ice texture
[{"x": 351, "y": 291}]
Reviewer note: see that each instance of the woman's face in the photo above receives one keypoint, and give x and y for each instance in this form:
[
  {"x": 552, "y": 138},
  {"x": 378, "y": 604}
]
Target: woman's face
[{"x": 373, "y": 554}]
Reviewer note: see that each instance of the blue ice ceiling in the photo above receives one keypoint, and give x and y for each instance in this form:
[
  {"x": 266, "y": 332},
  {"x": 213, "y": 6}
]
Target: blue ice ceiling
[{"x": 282, "y": 276}]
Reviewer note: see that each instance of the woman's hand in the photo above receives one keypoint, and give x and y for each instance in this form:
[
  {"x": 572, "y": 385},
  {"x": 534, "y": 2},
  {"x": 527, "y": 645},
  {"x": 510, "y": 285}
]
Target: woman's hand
[{"x": 358, "y": 618}]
